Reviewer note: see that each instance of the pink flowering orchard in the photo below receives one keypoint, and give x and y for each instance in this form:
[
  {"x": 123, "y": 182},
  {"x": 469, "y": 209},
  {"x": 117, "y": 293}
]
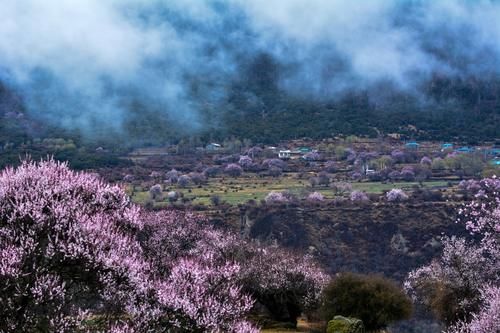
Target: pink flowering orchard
[
  {"x": 77, "y": 255},
  {"x": 67, "y": 250},
  {"x": 286, "y": 284}
]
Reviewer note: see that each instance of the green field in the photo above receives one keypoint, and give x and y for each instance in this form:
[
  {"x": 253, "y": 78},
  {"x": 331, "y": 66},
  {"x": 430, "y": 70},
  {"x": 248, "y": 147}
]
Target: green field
[{"x": 240, "y": 190}]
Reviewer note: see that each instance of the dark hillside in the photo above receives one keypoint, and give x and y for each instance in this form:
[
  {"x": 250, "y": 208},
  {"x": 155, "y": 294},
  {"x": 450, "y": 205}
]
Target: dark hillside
[{"x": 385, "y": 238}]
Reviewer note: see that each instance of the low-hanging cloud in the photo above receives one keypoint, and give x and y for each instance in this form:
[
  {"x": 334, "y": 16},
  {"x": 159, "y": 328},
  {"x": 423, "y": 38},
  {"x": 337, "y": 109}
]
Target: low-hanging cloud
[{"x": 85, "y": 63}]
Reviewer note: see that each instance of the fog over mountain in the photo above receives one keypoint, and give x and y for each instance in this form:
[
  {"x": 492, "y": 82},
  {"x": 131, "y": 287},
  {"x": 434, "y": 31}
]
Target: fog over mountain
[{"x": 92, "y": 64}]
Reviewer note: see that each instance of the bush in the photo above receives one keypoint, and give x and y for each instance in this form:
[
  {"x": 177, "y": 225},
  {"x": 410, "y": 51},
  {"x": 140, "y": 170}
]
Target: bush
[
  {"x": 155, "y": 192},
  {"x": 356, "y": 176},
  {"x": 398, "y": 156},
  {"x": 233, "y": 170},
  {"x": 197, "y": 177},
  {"x": 330, "y": 166},
  {"x": 184, "y": 181},
  {"x": 314, "y": 181},
  {"x": 275, "y": 172},
  {"x": 426, "y": 161},
  {"x": 315, "y": 197},
  {"x": 396, "y": 195},
  {"x": 273, "y": 196},
  {"x": 274, "y": 162},
  {"x": 340, "y": 324},
  {"x": 212, "y": 171},
  {"x": 215, "y": 200},
  {"x": 394, "y": 175},
  {"x": 245, "y": 162},
  {"x": 311, "y": 156},
  {"x": 172, "y": 196},
  {"x": 408, "y": 173},
  {"x": 375, "y": 300},
  {"x": 323, "y": 179},
  {"x": 172, "y": 176},
  {"x": 358, "y": 196},
  {"x": 438, "y": 164},
  {"x": 340, "y": 188}
]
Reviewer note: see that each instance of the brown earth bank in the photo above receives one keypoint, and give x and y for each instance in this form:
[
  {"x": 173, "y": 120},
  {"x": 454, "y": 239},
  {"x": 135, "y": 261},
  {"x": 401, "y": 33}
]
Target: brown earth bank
[{"x": 385, "y": 238}]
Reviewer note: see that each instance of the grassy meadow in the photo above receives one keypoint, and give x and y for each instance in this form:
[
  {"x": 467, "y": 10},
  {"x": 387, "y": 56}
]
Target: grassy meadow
[{"x": 240, "y": 190}]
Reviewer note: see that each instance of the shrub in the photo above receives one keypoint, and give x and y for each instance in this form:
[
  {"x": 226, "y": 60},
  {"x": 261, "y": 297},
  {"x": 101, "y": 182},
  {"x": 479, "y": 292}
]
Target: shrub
[
  {"x": 340, "y": 324},
  {"x": 438, "y": 164},
  {"x": 245, "y": 162},
  {"x": 184, "y": 181},
  {"x": 311, "y": 156},
  {"x": 155, "y": 175},
  {"x": 172, "y": 176},
  {"x": 356, "y": 176},
  {"x": 275, "y": 172},
  {"x": 422, "y": 174},
  {"x": 215, "y": 200},
  {"x": 408, "y": 173},
  {"x": 426, "y": 161},
  {"x": 172, "y": 196},
  {"x": 398, "y": 156},
  {"x": 330, "y": 166},
  {"x": 323, "y": 178},
  {"x": 341, "y": 152},
  {"x": 212, "y": 171},
  {"x": 358, "y": 196},
  {"x": 273, "y": 196},
  {"x": 254, "y": 151},
  {"x": 340, "y": 188},
  {"x": 315, "y": 197},
  {"x": 470, "y": 186},
  {"x": 373, "y": 299},
  {"x": 128, "y": 178},
  {"x": 274, "y": 162},
  {"x": 233, "y": 170},
  {"x": 314, "y": 181},
  {"x": 155, "y": 192},
  {"x": 197, "y": 177},
  {"x": 396, "y": 195},
  {"x": 394, "y": 175},
  {"x": 234, "y": 158}
]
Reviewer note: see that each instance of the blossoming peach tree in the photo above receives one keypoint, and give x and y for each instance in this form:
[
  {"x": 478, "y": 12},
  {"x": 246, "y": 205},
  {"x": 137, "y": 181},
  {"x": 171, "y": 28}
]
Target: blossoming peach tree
[
  {"x": 77, "y": 255},
  {"x": 462, "y": 286}
]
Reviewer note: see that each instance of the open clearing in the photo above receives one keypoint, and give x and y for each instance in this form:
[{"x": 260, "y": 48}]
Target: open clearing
[{"x": 240, "y": 190}]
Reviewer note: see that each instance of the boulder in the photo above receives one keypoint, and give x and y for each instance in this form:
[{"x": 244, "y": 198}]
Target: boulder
[{"x": 340, "y": 324}]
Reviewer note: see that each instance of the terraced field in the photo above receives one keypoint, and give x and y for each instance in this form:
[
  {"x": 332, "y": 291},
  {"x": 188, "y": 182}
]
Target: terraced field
[{"x": 240, "y": 190}]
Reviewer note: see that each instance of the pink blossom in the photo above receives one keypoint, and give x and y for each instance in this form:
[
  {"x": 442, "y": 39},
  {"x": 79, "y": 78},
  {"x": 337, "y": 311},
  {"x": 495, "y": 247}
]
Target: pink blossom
[
  {"x": 358, "y": 196},
  {"x": 396, "y": 195},
  {"x": 273, "y": 197},
  {"x": 233, "y": 170},
  {"x": 467, "y": 269},
  {"x": 315, "y": 196}
]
